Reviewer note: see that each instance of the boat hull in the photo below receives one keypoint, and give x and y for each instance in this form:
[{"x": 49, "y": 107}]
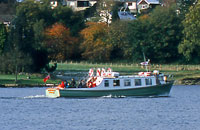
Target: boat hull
[{"x": 157, "y": 90}]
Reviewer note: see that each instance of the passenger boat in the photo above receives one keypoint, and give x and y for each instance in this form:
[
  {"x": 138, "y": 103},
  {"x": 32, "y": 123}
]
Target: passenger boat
[{"x": 108, "y": 83}]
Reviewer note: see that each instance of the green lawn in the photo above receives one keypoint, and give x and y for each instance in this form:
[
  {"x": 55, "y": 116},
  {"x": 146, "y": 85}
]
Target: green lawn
[
  {"x": 23, "y": 80},
  {"x": 86, "y": 66}
]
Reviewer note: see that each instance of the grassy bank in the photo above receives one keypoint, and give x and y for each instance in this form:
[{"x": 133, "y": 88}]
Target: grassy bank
[
  {"x": 23, "y": 80},
  {"x": 182, "y": 74}
]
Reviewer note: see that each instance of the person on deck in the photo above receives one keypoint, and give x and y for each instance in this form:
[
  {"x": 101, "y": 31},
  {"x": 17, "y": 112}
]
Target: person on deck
[
  {"x": 90, "y": 84},
  {"x": 67, "y": 85},
  {"x": 84, "y": 84},
  {"x": 62, "y": 85},
  {"x": 73, "y": 83},
  {"x": 80, "y": 84}
]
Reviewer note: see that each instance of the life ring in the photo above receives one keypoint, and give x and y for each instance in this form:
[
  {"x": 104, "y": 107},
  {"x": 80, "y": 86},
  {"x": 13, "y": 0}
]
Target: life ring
[
  {"x": 90, "y": 84},
  {"x": 93, "y": 84}
]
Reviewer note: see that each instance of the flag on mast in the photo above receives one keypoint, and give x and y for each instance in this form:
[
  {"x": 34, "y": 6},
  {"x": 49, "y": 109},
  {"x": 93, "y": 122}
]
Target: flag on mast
[
  {"x": 46, "y": 78},
  {"x": 145, "y": 63}
]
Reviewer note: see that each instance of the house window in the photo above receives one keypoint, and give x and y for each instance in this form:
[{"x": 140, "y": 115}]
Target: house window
[
  {"x": 127, "y": 82},
  {"x": 144, "y": 6},
  {"x": 106, "y": 83},
  {"x": 82, "y": 3},
  {"x": 148, "y": 81},
  {"x": 138, "y": 82},
  {"x": 116, "y": 83},
  {"x": 130, "y": 4}
]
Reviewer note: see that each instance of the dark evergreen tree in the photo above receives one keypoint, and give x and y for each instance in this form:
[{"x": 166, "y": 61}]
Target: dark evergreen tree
[{"x": 3, "y": 37}]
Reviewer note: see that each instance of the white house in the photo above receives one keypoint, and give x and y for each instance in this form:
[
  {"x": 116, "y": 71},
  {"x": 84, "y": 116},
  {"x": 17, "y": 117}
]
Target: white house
[
  {"x": 78, "y": 5},
  {"x": 131, "y": 5},
  {"x": 145, "y": 4}
]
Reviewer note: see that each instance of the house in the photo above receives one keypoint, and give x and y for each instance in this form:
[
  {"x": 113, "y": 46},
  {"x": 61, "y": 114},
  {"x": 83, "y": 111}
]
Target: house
[
  {"x": 131, "y": 5},
  {"x": 146, "y": 4},
  {"x": 78, "y": 5},
  {"x": 6, "y": 19},
  {"x": 135, "y": 6},
  {"x": 53, "y": 3}
]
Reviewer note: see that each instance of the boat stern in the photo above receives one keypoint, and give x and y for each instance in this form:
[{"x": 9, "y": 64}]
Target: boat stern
[{"x": 52, "y": 93}]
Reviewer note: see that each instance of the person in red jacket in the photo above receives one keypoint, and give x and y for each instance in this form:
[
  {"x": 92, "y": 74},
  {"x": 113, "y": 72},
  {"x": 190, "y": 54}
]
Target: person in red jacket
[{"x": 62, "y": 85}]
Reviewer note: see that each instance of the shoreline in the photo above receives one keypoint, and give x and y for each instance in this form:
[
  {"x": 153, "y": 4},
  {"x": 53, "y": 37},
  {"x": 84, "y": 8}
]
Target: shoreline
[
  {"x": 186, "y": 81},
  {"x": 26, "y": 85}
]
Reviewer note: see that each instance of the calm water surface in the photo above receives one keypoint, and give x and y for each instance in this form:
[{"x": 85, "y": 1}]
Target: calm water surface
[{"x": 29, "y": 109}]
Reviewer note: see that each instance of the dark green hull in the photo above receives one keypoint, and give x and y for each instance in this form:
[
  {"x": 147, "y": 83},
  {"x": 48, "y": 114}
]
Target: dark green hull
[{"x": 158, "y": 90}]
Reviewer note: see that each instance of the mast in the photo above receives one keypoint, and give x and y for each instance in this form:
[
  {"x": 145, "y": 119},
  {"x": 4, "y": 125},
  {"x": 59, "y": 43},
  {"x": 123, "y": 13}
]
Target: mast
[{"x": 145, "y": 61}]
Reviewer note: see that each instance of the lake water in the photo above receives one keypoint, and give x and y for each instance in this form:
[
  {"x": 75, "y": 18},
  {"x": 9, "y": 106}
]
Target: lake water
[{"x": 29, "y": 109}]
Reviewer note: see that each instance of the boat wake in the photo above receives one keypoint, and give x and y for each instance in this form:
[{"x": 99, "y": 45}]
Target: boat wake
[
  {"x": 113, "y": 96},
  {"x": 33, "y": 97},
  {"x": 26, "y": 97}
]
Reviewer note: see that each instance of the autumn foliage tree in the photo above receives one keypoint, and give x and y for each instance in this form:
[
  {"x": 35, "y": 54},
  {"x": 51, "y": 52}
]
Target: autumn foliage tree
[
  {"x": 59, "y": 43},
  {"x": 94, "y": 45}
]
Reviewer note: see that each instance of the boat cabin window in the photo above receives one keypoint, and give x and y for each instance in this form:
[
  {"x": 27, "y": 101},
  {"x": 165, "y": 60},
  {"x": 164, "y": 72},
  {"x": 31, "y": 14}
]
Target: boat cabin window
[
  {"x": 127, "y": 82},
  {"x": 116, "y": 82},
  {"x": 106, "y": 83},
  {"x": 148, "y": 81},
  {"x": 161, "y": 78},
  {"x": 138, "y": 82}
]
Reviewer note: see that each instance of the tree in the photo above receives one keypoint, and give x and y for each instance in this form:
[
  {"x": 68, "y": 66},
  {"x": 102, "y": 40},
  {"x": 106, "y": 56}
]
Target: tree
[
  {"x": 72, "y": 20},
  {"x": 90, "y": 12},
  {"x": 38, "y": 29},
  {"x": 104, "y": 9},
  {"x": 168, "y": 3},
  {"x": 25, "y": 34},
  {"x": 157, "y": 35},
  {"x": 14, "y": 62},
  {"x": 138, "y": 31},
  {"x": 46, "y": 13},
  {"x": 94, "y": 45},
  {"x": 115, "y": 9},
  {"x": 3, "y": 37},
  {"x": 51, "y": 69},
  {"x": 7, "y": 7},
  {"x": 184, "y": 5},
  {"x": 59, "y": 43},
  {"x": 191, "y": 43},
  {"x": 118, "y": 38},
  {"x": 164, "y": 35}
]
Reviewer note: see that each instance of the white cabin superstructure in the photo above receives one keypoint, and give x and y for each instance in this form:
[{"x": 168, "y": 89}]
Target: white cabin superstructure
[{"x": 122, "y": 82}]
